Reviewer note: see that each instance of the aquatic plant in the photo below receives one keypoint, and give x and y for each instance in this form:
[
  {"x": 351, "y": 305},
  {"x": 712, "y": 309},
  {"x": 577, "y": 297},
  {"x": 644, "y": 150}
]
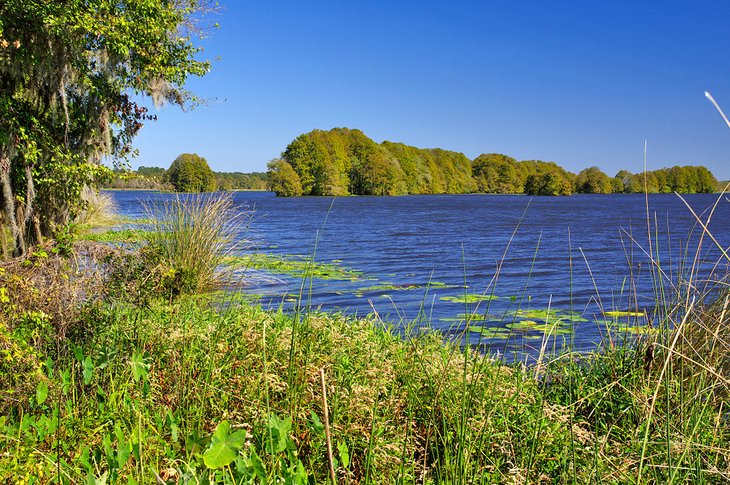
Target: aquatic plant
[{"x": 193, "y": 235}]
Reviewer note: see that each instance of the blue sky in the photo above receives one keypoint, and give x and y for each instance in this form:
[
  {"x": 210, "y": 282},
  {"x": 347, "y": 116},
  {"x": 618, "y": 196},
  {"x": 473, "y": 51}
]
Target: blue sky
[{"x": 581, "y": 83}]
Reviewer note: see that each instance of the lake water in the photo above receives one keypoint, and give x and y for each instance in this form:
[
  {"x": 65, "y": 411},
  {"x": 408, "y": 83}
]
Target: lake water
[{"x": 509, "y": 269}]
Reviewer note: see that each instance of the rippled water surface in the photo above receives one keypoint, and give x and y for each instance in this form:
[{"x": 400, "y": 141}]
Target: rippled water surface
[{"x": 509, "y": 269}]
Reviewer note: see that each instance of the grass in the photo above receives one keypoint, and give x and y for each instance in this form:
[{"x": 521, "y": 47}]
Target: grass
[
  {"x": 193, "y": 235},
  {"x": 98, "y": 387},
  {"x": 99, "y": 208}
]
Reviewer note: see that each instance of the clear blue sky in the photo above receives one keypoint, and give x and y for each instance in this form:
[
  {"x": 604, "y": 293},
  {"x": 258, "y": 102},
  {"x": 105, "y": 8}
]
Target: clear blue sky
[{"x": 581, "y": 83}]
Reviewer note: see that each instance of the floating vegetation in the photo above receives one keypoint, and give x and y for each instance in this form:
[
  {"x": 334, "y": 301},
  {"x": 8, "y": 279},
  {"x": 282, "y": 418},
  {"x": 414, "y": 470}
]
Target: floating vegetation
[
  {"x": 440, "y": 284},
  {"x": 557, "y": 327},
  {"x": 469, "y": 298},
  {"x": 619, "y": 314},
  {"x": 491, "y": 333},
  {"x": 294, "y": 267},
  {"x": 549, "y": 315},
  {"x": 468, "y": 317},
  {"x": 128, "y": 236},
  {"x": 624, "y": 327},
  {"x": 387, "y": 286}
]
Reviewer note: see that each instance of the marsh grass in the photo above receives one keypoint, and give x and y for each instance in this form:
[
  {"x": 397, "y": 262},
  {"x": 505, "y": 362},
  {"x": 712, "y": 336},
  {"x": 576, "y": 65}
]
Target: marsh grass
[
  {"x": 98, "y": 208},
  {"x": 187, "y": 391},
  {"x": 193, "y": 235}
]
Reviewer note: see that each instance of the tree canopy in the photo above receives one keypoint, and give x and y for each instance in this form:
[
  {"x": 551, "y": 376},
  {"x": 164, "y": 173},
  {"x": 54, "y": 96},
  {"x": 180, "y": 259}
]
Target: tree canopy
[
  {"x": 345, "y": 161},
  {"x": 68, "y": 70},
  {"x": 191, "y": 173},
  {"x": 342, "y": 161}
]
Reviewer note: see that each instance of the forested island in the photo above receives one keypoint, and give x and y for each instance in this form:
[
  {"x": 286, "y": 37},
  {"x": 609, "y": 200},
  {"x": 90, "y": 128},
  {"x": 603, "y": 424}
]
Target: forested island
[{"x": 345, "y": 161}]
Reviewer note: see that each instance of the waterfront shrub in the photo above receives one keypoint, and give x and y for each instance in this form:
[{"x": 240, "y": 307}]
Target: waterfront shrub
[{"x": 192, "y": 235}]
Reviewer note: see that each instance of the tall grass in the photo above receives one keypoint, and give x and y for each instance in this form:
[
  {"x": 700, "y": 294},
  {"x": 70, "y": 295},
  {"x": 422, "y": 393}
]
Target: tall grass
[
  {"x": 193, "y": 235},
  {"x": 178, "y": 392},
  {"x": 98, "y": 208}
]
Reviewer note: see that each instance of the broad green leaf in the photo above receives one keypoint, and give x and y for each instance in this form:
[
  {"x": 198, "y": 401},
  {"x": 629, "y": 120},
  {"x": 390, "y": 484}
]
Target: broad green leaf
[
  {"x": 139, "y": 367},
  {"x": 88, "y": 369},
  {"x": 41, "y": 392},
  {"x": 344, "y": 454},
  {"x": 224, "y": 446},
  {"x": 279, "y": 430}
]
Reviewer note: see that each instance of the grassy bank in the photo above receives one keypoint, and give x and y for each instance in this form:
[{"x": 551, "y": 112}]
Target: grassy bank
[
  {"x": 108, "y": 392},
  {"x": 115, "y": 367}
]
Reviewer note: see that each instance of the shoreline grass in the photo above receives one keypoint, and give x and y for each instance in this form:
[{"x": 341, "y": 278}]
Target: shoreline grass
[
  {"x": 134, "y": 393},
  {"x": 108, "y": 376}
]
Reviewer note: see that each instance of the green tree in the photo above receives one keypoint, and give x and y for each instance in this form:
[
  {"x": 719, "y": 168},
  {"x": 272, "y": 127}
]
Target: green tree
[
  {"x": 592, "y": 181},
  {"x": 67, "y": 70},
  {"x": 283, "y": 180},
  {"x": 547, "y": 183},
  {"x": 191, "y": 173},
  {"x": 495, "y": 173},
  {"x": 378, "y": 174}
]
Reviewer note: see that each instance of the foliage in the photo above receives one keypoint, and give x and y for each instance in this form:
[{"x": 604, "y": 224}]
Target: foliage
[
  {"x": 67, "y": 73},
  {"x": 283, "y": 180},
  {"x": 345, "y": 161},
  {"x": 592, "y": 181},
  {"x": 242, "y": 181},
  {"x": 545, "y": 178},
  {"x": 193, "y": 234},
  {"x": 183, "y": 392},
  {"x": 495, "y": 173},
  {"x": 191, "y": 173}
]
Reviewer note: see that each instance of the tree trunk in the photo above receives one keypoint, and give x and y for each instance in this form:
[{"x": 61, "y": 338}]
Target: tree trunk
[{"x": 9, "y": 208}]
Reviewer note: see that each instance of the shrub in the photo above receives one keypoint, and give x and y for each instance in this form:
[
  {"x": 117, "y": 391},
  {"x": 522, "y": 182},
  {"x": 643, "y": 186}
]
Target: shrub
[
  {"x": 192, "y": 235},
  {"x": 191, "y": 173}
]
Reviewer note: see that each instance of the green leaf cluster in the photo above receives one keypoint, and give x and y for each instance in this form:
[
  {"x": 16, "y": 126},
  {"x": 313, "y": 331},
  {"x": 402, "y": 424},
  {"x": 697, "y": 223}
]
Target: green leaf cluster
[
  {"x": 70, "y": 73},
  {"x": 191, "y": 173},
  {"x": 345, "y": 161}
]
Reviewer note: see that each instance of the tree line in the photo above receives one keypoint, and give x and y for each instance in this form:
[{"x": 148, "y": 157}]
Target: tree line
[
  {"x": 187, "y": 173},
  {"x": 345, "y": 161}
]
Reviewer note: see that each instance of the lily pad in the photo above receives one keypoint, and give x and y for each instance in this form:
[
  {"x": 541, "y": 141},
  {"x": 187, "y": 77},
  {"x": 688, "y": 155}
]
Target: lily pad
[
  {"x": 469, "y": 298},
  {"x": 491, "y": 333},
  {"x": 555, "y": 328},
  {"x": 550, "y": 315},
  {"x": 294, "y": 266},
  {"x": 619, "y": 314},
  {"x": 624, "y": 327}
]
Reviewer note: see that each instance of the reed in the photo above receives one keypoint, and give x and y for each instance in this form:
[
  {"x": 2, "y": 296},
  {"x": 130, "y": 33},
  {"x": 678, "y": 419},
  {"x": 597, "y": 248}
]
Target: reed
[
  {"x": 98, "y": 208},
  {"x": 193, "y": 234}
]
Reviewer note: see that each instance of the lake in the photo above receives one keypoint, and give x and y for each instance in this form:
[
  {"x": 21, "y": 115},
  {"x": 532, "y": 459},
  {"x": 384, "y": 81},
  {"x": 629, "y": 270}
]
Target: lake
[{"x": 508, "y": 269}]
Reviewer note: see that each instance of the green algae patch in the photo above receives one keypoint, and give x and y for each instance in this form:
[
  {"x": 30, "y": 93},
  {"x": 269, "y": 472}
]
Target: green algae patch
[
  {"x": 549, "y": 315},
  {"x": 620, "y": 314},
  {"x": 468, "y": 298},
  {"x": 294, "y": 266},
  {"x": 129, "y": 236}
]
